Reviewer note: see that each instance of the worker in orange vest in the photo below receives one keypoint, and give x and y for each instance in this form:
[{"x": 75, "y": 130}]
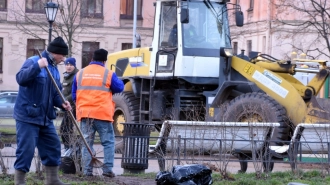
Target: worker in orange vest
[{"x": 92, "y": 90}]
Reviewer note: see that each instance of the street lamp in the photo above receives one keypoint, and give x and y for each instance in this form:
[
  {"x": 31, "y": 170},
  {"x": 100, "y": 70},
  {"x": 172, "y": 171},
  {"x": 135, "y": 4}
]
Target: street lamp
[{"x": 51, "y": 11}]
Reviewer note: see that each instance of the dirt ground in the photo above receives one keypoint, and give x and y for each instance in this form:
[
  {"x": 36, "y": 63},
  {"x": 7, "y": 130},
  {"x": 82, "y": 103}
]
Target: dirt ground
[
  {"x": 99, "y": 180},
  {"x": 118, "y": 180}
]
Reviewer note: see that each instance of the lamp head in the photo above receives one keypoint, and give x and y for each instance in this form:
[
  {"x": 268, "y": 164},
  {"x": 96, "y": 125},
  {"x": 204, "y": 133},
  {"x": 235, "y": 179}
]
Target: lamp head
[{"x": 51, "y": 11}]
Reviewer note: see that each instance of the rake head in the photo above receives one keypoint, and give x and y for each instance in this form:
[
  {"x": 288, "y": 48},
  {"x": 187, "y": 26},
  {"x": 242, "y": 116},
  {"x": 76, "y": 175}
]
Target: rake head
[{"x": 96, "y": 163}]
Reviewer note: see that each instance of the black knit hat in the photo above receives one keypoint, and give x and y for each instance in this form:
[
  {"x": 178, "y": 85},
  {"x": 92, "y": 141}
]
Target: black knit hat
[
  {"x": 58, "y": 46},
  {"x": 100, "y": 55}
]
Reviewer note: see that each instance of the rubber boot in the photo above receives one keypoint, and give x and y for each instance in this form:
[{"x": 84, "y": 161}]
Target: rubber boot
[
  {"x": 52, "y": 176},
  {"x": 19, "y": 177}
]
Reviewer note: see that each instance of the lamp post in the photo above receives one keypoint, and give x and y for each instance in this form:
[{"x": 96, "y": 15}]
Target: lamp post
[
  {"x": 134, "y": 23},
  {"x": 51, "y": 11}
]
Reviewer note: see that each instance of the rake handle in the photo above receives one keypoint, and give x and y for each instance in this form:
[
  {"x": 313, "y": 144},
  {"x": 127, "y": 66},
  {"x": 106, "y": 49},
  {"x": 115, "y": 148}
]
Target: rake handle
[{"x": 70, "y": 113}]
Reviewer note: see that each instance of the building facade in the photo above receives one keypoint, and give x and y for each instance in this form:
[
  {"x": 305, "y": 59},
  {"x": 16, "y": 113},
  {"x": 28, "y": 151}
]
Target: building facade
[
  {"x": 85, "y": 24},
  {"x": 264, "y": 31},
  {"x": 91, "y": 24},
  {"x": 270, "y": 27}
]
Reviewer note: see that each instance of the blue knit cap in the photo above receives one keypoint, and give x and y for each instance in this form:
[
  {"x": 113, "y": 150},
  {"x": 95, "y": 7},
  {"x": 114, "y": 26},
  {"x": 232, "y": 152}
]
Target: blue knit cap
[{"x": 71, "y": 61}]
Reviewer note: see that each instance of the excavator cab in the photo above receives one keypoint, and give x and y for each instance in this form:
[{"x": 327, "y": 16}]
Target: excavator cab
[{"x": 189, "y": 33}]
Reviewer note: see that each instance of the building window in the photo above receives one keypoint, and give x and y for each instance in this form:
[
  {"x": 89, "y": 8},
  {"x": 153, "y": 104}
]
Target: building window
[
  {"x": 35, "y": 6},
  {"x": 3, "y": 5},
  {"x": 249, "y": 47},
  {"x": 235, "y": 48},
  {"x": 32, "y": 45},
  {"x": 88, "y": 49},
  {"x": 127, "y": 9},
  {"x": 125, "y": 46},
  {"x": 251, "y": 5},
  {"x": 91, "y": 8},
  {"x": 1, "y": 55}
]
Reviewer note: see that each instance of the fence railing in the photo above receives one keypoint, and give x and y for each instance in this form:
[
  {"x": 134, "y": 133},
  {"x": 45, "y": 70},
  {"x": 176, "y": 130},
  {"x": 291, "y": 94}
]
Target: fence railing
[{"x": 175, "y": 152}]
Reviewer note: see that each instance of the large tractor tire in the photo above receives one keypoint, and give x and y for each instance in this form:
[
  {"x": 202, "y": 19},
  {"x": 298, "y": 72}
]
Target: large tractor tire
[
  {"x": 126, "y": 111},
  {"x": 259, "y": 107}
]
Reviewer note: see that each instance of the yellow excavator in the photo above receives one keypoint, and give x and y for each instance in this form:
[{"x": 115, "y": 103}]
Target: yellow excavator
[{"x": 190, "y": 73}]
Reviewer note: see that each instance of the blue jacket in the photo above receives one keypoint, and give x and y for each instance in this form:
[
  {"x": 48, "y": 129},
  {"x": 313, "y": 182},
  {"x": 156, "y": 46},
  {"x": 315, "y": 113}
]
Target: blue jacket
[
  {"x": 37, "y": 95},
  {"x": 116, "y": 86}
]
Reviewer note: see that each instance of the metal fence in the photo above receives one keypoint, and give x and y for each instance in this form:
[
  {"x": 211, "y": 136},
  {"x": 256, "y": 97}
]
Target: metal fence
[{"x": 178, "y": 151}]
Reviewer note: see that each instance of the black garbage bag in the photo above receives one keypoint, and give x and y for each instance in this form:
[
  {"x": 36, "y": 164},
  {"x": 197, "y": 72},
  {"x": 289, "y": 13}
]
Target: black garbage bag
[
  {"x": 67, "y": 165},
  {"x": 164, "y": 178},
  {"x": 68, "y": 160},
  {"x": 190, "y": 182},
  {"x": 194, "y": 174}
]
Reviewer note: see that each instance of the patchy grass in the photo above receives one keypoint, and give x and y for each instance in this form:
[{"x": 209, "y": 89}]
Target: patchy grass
[
  {"x": 142, "y": 175},
  {"x": 276, "y": 178},
  {"x": 8, "y": 134},
  {"x": 8, "y": 130},
  {"x": 153, "y": 141},
  {"x": 34, "y": 179}
]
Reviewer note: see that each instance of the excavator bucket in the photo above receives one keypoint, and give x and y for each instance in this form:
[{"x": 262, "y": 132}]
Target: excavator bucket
[{"x": 317, "y": 111}]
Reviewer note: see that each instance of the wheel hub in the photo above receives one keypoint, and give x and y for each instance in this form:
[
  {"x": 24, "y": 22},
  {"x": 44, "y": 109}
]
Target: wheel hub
[{"x": 119, "y": 120}]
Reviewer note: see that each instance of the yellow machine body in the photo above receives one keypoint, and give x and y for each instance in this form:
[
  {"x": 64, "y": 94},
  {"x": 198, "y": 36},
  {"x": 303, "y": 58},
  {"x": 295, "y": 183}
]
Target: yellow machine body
[{"x": 286, "y": 89}]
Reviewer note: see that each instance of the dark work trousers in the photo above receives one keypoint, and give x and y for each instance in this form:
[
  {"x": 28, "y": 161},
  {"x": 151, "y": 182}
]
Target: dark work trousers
[
  {"x": 29, "y": 136},
  {"x": 66, "y": 129}
]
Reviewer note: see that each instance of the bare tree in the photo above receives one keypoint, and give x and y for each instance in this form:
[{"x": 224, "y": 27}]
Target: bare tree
[
  {"x": 307, "y": 23},
  {"x": 72, "y": 19}
]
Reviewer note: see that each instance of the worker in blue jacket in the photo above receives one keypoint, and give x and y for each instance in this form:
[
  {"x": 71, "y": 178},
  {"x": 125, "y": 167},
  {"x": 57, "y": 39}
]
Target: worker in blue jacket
[{"x": 34, "y": 113}]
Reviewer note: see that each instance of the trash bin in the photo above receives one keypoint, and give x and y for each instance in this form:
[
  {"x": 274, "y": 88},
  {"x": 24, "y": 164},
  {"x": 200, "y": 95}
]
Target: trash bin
[{"x": 136, "y": 147}]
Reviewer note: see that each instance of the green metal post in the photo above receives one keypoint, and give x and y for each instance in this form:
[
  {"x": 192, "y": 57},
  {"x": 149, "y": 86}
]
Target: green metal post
[{"x": 326, "y": 88}]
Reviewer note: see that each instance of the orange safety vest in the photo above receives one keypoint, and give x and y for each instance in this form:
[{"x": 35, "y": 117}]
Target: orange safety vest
[{"x": 94, "y": 97}]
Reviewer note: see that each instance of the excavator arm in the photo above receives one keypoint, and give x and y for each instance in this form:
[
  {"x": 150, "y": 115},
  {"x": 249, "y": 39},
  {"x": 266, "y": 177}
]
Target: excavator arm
[{"x": 277, "y": 81}]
